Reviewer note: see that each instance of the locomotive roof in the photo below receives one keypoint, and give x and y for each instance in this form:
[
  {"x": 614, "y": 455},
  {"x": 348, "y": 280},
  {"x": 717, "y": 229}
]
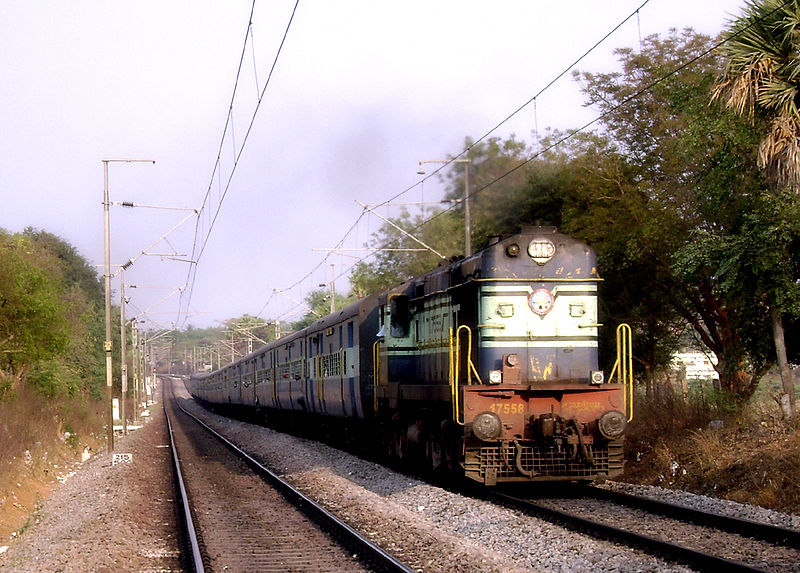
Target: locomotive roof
[{"x": 493, "y": 262}]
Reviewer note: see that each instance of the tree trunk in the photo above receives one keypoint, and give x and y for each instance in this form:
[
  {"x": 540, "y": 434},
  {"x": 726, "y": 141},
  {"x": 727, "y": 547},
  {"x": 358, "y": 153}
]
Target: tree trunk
[{"x": 787, "y": 380}]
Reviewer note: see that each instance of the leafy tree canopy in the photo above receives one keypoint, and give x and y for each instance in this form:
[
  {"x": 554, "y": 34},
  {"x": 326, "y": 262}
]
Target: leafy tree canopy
[
  {"x": 50, "y": 317},
  {"x": 318, "y": 303}
]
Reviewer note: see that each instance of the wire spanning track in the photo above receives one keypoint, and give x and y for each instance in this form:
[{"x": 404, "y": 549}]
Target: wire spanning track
[
  {"x": 523, "y": 163},
  {"x": 464, "y": 152},
  {"x": 541, "y": 152},
  {"x": 198, "y": 253}
]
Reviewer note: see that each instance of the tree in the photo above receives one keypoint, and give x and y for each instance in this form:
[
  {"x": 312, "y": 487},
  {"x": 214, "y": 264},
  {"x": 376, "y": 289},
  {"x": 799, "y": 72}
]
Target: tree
[
  {"x": 252, "y": 327},
  {"x": 32, "y": 319},
  {"x": 50, "y": 317},
  {"x": 77, "y": 272},
  {"x": 683, "y": 169},
  {"x": 82, "y": 293},
  {"x": 399, "y": 258},
  {"x": 318, "y": 303},
  {"x": 496, "y": 187},
  {"x": 593, "y": 192},
  {"x": 761, "y": 81}
]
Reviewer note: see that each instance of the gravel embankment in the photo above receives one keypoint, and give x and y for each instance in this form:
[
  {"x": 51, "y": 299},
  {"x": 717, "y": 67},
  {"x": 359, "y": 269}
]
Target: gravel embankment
[
  {"x": 107, "y": 517},
  {"x": 94, "y": 521}
]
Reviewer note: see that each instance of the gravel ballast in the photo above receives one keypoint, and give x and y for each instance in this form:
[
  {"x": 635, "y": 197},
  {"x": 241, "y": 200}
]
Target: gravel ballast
[
  {"x": 107, "y": 517},
  {"x": 116, "y": 518}
]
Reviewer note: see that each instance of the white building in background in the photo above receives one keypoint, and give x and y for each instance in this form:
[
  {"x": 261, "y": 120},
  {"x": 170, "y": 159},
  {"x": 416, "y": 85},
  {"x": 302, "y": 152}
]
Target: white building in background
[{"x": 699, "y": 366}]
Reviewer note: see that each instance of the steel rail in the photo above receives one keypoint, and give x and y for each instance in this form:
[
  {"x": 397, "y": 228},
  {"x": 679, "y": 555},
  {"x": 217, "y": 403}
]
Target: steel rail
[
  {"x": 368, "y": 551},
  {"x": 188, "y": 524},
  {"x": 670, "y": 551},
  {"x": 746, "y": 527}
]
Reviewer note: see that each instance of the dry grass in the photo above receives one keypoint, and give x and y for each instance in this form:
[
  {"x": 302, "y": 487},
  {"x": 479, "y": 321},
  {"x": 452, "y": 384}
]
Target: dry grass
[
  {"x": 707, "y": 445},
  {"x": 38, "y": 438},
  {"x": 749, "y": 456}
]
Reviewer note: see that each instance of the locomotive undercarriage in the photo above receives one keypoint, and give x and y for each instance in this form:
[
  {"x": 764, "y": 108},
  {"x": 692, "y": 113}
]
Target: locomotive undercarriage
[
  {"x": 426, "y": 441},
  {"x": 523, "y": 460},
  {"x": 432, "y": 443}
]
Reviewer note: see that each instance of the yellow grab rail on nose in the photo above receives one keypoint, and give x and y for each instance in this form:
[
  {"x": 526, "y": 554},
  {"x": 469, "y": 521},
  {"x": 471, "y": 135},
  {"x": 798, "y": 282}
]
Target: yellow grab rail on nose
[
  {"x": 470, "y": 365},
  {"x": 623, "y": 367},
  {"x": 454, "y": 362}
]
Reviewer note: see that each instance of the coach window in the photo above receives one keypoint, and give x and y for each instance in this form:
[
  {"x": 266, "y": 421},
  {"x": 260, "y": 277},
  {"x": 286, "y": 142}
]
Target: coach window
[
  {"x": 400, "y": 316},
  {"x": 349, "y": 334}
]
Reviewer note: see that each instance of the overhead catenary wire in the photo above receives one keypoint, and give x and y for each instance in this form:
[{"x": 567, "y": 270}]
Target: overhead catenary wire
[
  {"x": 540, "y": 152},
  {"x": 526, "y": 104},
  {"x": 464, "y": 152},
  {"x": 215, "y": 171},
  {"x": 197, "y": 253}
]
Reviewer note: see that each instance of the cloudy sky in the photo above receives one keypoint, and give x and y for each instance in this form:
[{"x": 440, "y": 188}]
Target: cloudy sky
[{"x": 362, "y": 90}]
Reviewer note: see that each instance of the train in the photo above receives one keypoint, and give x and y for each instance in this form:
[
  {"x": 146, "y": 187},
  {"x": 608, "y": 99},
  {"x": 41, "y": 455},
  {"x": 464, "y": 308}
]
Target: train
[{"x": 485, "y": 367}]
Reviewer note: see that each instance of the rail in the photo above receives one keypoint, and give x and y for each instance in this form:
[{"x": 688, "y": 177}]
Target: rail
[
  {"x": 696, "y": 559},
  {"x": 770, "y": 533},
  {"x": 366, "y": 550},
  {"x": 188, "y": 524},
  {"x": 623, "y": 367}
]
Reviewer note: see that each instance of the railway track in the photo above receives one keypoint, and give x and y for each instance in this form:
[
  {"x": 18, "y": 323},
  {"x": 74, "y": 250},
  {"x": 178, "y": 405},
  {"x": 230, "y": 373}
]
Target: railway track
[
  {"x": 703, "y": 541},
  {"x": 242, "y": 517}
]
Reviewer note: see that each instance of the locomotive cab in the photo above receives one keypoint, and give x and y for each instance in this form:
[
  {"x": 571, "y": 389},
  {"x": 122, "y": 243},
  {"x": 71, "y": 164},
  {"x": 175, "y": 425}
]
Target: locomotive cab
[
  {"x": 544, "y": 409},
  {"x": 493, "y": 361}
]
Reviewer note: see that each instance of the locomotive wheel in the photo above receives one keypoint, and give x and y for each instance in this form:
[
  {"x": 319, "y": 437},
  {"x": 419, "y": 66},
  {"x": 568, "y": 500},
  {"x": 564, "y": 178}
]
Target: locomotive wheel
[
  {"x": 400, "y": 444},
  {"x": 434, "y": 453},
  {"x": 393, "y": 441}
]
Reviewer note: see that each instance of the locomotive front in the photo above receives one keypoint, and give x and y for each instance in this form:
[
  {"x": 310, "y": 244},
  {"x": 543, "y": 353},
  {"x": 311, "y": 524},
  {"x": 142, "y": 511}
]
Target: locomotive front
[{"x": 533, "y": 403}]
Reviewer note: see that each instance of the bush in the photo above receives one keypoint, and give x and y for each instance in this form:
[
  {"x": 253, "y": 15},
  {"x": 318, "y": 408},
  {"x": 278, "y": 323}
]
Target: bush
[{"x": 55, "y": 378}]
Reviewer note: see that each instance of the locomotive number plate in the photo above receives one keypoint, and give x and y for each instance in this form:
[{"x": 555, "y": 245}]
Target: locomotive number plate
[{"x": 507, "y": 408}]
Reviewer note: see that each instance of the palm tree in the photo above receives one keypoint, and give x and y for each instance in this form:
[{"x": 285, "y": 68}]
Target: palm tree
[{"x": 762, "y": 81}]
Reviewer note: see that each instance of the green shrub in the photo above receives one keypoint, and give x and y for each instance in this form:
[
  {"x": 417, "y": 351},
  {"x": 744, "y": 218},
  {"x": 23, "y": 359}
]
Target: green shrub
[{"x": 54, "y": 378}]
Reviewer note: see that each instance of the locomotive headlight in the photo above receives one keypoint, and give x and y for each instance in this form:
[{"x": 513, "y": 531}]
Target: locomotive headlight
[
  {"x": 612, "y": 424},
  {"x": 597, "y": 377},
  {"x": 495, "y": 376},
  {"x": 487, "y": 426}
]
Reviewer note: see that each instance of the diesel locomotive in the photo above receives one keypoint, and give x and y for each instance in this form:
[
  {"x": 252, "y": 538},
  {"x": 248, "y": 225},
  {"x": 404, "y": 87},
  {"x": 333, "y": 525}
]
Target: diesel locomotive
[{"x": 485, "y": 367}]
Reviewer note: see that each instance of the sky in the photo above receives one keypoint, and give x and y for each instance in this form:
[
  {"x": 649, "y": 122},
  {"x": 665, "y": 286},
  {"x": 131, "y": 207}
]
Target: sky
[{"x": 358, "y": 93}]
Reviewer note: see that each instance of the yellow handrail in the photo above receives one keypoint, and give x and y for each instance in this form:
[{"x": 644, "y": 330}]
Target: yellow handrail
[
  {"x": 376, "y": 373},
  {"x": 452, "y": 373},
  {"x": 623, "y": 367},
  {"x": 455, "y": 366},
  {"x": 470, "y": 366}
]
